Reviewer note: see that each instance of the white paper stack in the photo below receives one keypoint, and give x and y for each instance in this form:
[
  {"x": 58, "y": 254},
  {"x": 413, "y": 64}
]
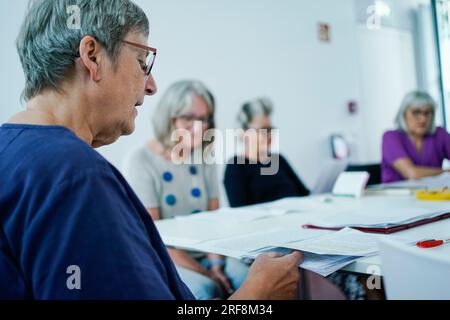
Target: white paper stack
[
  {"x": 437, "y": 182},
  {"x": 320, "y": 264},
  {"x": 347, "y": 242},
  {"x": 326, "y": 264},
  {"x": 282, "y": 241},
  {"x": 330, "y": 252}
]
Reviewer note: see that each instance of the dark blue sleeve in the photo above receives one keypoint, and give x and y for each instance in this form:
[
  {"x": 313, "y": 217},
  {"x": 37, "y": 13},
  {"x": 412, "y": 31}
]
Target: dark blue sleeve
[
  {"x": 89, "y": 222},
  {"x": 236, "y": 185}
]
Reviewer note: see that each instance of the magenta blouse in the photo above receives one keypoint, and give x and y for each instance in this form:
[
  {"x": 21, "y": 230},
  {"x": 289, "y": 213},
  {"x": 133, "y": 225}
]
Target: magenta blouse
[{"x": 397, "y": 145}]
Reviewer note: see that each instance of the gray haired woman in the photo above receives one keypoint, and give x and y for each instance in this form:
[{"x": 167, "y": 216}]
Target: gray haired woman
[
  {"x": 245, "y": 185},
  {"x": 169, "y": 183},
  {"x": 416, "y": 149},
  {"x": 244, "y": 182},
  {"x": 71, "y": 227}
]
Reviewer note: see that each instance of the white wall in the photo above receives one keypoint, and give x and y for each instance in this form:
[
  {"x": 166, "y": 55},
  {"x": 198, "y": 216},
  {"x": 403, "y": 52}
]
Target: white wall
[
  {"x": 241, "y": 50},
  {"x": 402, "y": 12},
  {"x": 394, "y": 60},
  {"x": 426, "y": 53},
  {"x": 245, "y": 49},
  {"x": 388, "y": 72},
  {"x": 11, "y": 75}
]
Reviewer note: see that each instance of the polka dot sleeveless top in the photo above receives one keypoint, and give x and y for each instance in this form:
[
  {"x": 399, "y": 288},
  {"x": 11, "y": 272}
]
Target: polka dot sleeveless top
[{"x": 176, "y": 189}]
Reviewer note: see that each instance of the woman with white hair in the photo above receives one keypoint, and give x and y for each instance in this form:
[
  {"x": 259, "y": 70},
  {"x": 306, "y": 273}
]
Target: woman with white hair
[
  {"x": 417, "y": 148},
  {"x": 71, "y": 227},
  {"x": 170, "y": 183},
  {"x": 245, "y": 182}
]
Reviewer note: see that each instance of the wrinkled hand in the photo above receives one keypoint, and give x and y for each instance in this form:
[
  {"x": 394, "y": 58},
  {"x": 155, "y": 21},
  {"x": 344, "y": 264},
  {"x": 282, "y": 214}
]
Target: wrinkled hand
[{"x": 272, "y": 277}]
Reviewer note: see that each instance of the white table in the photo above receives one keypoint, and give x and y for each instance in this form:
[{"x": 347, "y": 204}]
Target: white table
[{"x": 192, "y": 232}]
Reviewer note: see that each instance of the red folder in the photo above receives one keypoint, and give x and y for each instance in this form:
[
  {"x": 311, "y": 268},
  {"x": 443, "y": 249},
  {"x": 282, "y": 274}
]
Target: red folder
[{"x": 387, "y": 230}]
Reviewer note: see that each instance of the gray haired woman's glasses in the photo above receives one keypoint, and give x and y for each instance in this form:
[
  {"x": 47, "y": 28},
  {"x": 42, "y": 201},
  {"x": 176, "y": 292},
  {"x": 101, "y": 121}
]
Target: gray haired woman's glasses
[
  {"x": 417, "y": 113},
  {"x": 151, "y": 56},
  {"x": 189, "y": 120}
]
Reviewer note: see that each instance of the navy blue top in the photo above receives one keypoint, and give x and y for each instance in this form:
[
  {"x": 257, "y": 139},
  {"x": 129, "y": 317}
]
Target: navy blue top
[
  {"x": 62, "y": 205},
  {"x": 246, "y": 186}
]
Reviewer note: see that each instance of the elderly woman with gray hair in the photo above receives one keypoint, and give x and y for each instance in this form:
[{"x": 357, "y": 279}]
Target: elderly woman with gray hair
[
  {"x": 71, "y": 226},
  {"x": 244, "y": 182},
  {"x": 246, "y": 185},
  {"x": 170, "y": 183},
  {"x": 417, "y": 148}
]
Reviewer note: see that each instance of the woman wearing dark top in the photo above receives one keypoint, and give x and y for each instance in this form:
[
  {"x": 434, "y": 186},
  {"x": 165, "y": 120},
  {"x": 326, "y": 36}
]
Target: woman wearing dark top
[
  {"x": 246, "y": 186},
  {"x": 245, "y": 181}
]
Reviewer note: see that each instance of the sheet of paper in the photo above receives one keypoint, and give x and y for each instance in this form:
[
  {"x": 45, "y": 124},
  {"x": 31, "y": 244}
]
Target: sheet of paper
[
  {"x": 437, "y": 182},
  {"x": 196, "y": 231},
  {"x": 236, "y": 215},
  {"x": 373, "y": 216},
  {"x": 300, "y": 204},
  {"x": 326, "y": 264},
  {"x": 268, "y": 238},
  {"x": 346, "y": 242}
]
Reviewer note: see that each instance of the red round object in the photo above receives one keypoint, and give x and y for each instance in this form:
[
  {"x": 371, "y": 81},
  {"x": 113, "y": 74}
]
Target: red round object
[{"x": 430, "y": 243}]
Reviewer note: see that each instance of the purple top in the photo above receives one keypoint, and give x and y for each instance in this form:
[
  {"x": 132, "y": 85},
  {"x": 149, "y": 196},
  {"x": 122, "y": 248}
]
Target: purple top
[{"x": 397, "y": 145}]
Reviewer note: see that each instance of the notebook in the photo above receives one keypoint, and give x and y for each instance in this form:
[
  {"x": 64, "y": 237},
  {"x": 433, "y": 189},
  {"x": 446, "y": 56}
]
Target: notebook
[{"x": 386, "y": 227}]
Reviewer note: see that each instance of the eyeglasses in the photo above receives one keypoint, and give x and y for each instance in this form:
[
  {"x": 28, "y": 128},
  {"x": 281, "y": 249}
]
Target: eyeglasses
[
  {"x": 416, "y": 113},
  {"x": 189, "y": 120},
  {"x": 151, "y": 56},
  {"x": 150, "y": 59}
]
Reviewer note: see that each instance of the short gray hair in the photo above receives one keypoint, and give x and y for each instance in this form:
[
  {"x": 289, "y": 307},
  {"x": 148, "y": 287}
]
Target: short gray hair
[
  {"x": 48, "y": 47},
  {"x": 178, "y": 98},
  {"x": 415, "y": 99},
  {"x": 249, "y": 110}
]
